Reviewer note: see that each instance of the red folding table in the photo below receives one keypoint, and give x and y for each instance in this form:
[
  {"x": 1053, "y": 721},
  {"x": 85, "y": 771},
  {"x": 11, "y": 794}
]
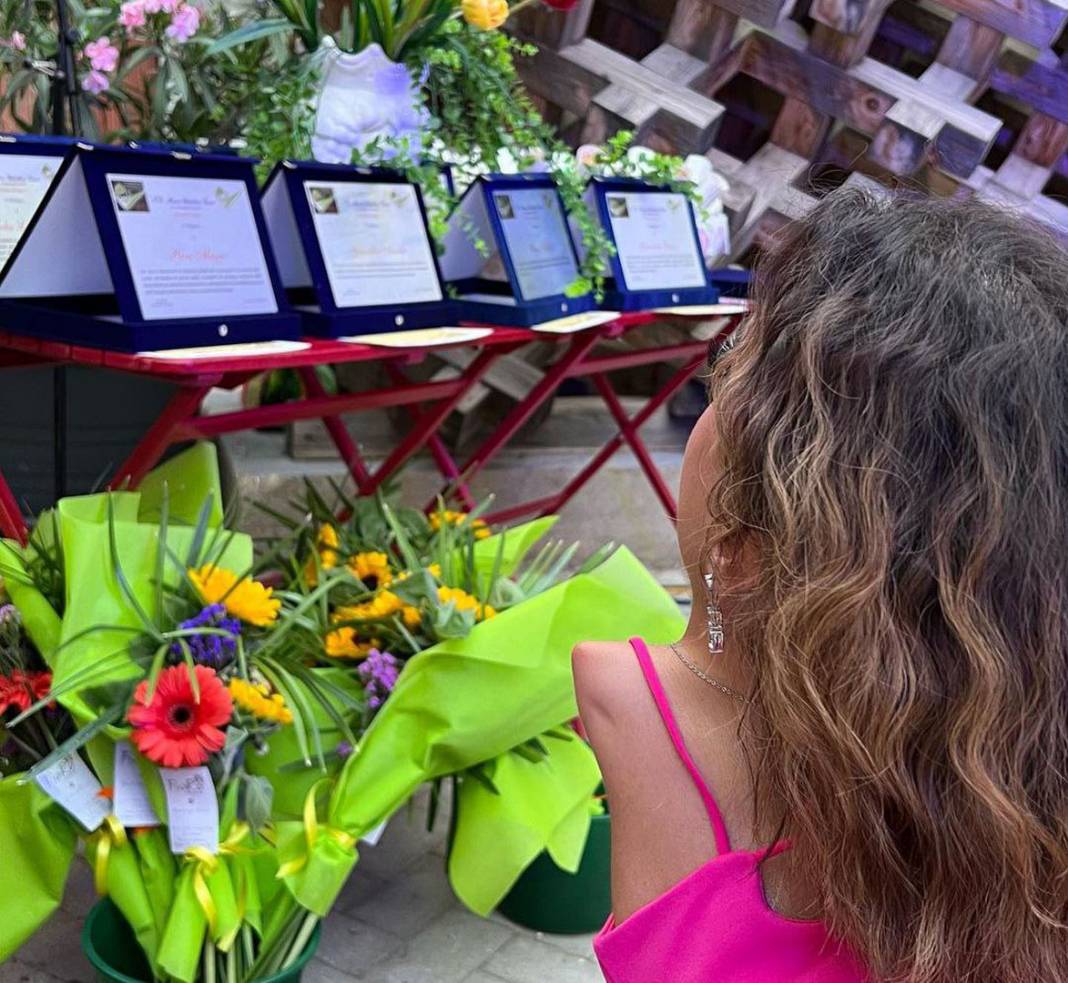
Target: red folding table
[{"x": 429, "y": 402}]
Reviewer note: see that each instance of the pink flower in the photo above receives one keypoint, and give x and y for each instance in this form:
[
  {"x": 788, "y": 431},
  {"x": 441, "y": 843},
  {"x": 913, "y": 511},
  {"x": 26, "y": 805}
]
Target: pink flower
[
  {"x": 153, "y": 6},
  {"x": 169, "y": 6},
  {"x": 95, "y": 82},
  {"x": 132, "y": 15},
  {"x": 18, "y": 41},
  {"x": 184, "y": 23},
  {"x": 102, "y": 55}
]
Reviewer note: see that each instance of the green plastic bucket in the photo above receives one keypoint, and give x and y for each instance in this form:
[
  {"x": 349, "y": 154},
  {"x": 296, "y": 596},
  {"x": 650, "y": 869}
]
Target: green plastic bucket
[
  {"x": 548, "y": 899},
  {"x": 112, "y": 948}
]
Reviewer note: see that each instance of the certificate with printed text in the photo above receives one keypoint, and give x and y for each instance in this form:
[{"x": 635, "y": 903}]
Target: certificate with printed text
[
  {"x": 538, "y": 241},
  {"x": 24, "y": 181},
  {"x": 654, "y": 238},
  {"x": 193, "y": 246},
  {"x": 374, "y": 243}
]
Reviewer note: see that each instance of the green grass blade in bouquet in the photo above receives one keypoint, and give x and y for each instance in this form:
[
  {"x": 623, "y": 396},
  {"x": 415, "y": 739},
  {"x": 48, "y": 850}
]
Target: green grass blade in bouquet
[
  {"x": 531, "y": 805},
  {"x": 39, "y": 618},
  {"x": 468, "y": 700},
  {"x": 37, "y": 842}
]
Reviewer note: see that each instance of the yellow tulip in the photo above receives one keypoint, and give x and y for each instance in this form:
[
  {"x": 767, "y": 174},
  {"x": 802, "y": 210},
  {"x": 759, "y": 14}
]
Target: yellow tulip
[{"x": 485, "y": 14}]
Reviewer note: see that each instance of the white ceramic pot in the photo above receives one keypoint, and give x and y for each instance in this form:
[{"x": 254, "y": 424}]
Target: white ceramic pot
[{"x": 363, "y": 96}]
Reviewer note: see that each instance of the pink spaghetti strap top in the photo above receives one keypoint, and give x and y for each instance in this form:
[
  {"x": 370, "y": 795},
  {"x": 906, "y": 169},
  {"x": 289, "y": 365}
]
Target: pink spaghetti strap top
[{"x": 715, "y": 926}]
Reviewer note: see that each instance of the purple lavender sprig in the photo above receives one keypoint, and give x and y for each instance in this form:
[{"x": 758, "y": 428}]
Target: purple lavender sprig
[
  {"x": 210, "y": 650},
  {"x": 378, "y": 672}
]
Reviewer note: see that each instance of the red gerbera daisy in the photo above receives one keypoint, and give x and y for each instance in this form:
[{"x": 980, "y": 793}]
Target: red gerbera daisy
[{"x": 173, "y": 729}]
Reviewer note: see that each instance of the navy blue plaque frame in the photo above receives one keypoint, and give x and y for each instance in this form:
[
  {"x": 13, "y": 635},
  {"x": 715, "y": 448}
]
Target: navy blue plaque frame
[
  {"x": 618, "y": 296},
  {"x": 321, "y": 314},
  {"x": 114, "y": 320},
  {"x": 522, "y": 311}
]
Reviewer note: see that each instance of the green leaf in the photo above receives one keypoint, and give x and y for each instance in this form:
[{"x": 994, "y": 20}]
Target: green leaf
[
  {"x": 254, "y": 31},
  {"x": 258, "y": 799}
]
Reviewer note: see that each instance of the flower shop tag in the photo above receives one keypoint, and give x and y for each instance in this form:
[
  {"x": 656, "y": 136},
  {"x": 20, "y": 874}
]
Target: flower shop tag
[
  {"x": 71, "y": 784},
  {"x": 372, "y": 838},
  {"x": 192, "y": 809},
  {"x": 132, "y": 805}
]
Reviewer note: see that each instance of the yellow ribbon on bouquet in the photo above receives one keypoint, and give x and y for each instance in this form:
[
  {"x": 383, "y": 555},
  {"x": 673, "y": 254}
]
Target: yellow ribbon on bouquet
[
  {"x": 111, "y": 834},
  {"x": 313, "y": 829},
  {"x": 206, "y": 864}
]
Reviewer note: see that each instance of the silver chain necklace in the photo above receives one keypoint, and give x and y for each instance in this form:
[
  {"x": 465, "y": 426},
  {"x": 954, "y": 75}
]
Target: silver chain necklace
[{"x": 702, "y": 675}]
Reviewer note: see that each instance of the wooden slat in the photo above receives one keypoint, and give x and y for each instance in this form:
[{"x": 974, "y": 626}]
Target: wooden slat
[
  {"x": 1038, "y": 22},
  {"x": 971, "y": 48}
]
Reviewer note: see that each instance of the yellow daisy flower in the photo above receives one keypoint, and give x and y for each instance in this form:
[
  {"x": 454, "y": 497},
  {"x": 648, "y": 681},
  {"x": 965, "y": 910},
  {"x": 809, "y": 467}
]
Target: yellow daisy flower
[
  {"x": 372, "y": 569},
  {"x": 412, "y": 616},
  {"x": 466, "y": 602},
  {"x": 341, "y": 643},
  {"x": 485, "y": 14},
  {"x": 245, "y": 598},
  {"x": 257, "y": 699},
  {"x": 383, "y": 605},
  {"x": 450, "y": 518}
]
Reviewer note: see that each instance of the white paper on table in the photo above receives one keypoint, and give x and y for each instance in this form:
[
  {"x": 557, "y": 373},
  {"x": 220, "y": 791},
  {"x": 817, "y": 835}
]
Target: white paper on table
[
  {"x": 654, "y": 238},
  {"x": 374, "y": 241},
  {"x": 575, "y": 322},
  {"x": 192, "y": 809},
  {"x": 538, "y": 242},
  {"x": 71, "y": 784},
  {"x": 241, "y": 350},
  {"x": 193, "y": 246},
  {"x": 420, "y": 337},
  {"x": 24, "y": 181},
  {"x": 729, "y": 305},
  {"x": 132, "y": 805}
]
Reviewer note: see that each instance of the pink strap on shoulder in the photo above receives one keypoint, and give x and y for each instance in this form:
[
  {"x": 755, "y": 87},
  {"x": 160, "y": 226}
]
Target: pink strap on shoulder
[{"x": 719, "y": 828}]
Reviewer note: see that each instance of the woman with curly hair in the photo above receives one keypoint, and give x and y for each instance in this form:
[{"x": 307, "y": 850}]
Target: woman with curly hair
[{"x": 854, "y": 765}]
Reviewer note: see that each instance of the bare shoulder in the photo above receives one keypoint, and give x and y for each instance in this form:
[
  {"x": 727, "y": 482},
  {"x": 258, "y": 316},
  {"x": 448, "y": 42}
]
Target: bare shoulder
[{"x": 606, "y": 678}]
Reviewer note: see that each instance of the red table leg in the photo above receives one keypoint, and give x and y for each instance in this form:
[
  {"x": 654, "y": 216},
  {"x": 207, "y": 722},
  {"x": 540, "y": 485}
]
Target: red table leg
[
  {"x": 183, "y": 405},
  {"x": 426, "y": 423},
  {"x": 525, "y": 408},
  {"x": 628, "y": 433},
  {"x": 442, "y": 458},
  {"x": 11, "y": 524},
  {"x": 339, "y": 433}
]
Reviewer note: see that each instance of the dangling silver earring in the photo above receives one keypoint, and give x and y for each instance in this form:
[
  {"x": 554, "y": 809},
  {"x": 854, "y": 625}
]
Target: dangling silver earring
[{"x": 715, "y": 619}]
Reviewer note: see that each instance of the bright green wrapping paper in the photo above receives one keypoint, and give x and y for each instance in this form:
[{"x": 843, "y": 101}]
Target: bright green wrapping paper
[
  {"x": 37, "y": 841},
  {"x": 539, "y": 805},
  {"x": 466, "y": 701}
]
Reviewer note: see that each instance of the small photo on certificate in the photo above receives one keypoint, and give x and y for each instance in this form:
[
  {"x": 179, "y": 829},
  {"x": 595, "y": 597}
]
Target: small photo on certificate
[
  {"x": 129, "y": 196},
  {"x": 323, "y": 200},
  {"x": 504, "y": 207}
]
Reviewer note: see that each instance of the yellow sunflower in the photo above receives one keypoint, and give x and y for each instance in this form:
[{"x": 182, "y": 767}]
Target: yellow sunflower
[
  {"x": 243, "y": 598},
  {"x": 447, "y": 517},
  {"x": 371, "y": 569},
  {"x": 257, "y": 699},
  {"x": 466, "y": 602},
  {"x": 342, "y": 643}
]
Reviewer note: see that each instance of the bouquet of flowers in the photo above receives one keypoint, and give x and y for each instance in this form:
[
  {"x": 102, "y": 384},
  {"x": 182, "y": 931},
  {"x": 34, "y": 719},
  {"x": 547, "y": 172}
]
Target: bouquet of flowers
[{"x": 220, "y": 741}]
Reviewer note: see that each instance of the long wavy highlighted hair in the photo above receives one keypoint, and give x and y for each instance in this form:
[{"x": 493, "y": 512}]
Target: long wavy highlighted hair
[{"x": 893, "y": 431}]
